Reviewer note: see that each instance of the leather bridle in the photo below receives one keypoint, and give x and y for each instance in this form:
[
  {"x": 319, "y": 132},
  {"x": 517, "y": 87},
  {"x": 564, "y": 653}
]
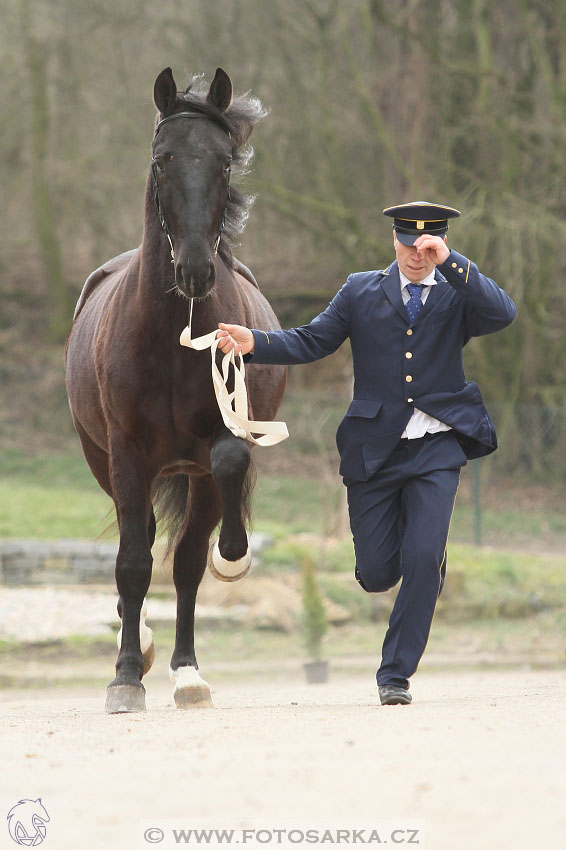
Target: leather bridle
[
  {"x": 155, "y": 184},
  {"x": 233, "y": 405}
]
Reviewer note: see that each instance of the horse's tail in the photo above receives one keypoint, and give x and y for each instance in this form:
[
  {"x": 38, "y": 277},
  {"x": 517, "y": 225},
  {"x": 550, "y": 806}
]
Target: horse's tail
[
  {"x": 247, "y": 492},
  {"x": 169, "y": 497}
]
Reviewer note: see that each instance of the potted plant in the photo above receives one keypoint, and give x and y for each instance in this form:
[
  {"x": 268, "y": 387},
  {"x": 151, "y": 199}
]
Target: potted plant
[{"x": 314, "y": 624}]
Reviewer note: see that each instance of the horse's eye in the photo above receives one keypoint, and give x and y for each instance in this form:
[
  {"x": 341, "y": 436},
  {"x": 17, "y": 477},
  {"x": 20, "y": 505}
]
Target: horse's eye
[
  {"x": 227, "y": 167},
  {"x": 161, "y": 160}
]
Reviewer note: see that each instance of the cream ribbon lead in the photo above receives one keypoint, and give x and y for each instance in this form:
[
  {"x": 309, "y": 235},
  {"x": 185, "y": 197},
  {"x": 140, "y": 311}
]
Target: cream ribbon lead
[{"x": 234, "y": 406}]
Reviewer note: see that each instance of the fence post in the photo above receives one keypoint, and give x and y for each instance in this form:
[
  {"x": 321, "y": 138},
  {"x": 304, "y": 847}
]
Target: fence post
[{"x": 477, "y": 501}]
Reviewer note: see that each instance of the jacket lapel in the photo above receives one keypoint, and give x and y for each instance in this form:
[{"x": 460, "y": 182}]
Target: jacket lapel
[{"x": 391, "y": 286}]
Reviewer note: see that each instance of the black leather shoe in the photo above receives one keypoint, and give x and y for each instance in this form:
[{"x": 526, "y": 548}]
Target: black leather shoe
[{"x": 394, "y": 695}]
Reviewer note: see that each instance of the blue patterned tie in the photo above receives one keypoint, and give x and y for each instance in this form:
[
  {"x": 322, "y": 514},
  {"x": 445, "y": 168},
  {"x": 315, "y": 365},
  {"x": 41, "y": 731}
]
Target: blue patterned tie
[{"x": 414, "y": 305}]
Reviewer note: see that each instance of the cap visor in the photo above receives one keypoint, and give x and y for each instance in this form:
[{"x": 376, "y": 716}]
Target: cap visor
[
  {"x": 411, "y": 238},
  {"x": 407, "y": 238}
]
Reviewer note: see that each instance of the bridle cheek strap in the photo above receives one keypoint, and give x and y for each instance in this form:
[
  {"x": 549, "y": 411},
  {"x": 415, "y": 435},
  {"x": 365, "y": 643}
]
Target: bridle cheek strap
[{"x": 234, "y": 406}]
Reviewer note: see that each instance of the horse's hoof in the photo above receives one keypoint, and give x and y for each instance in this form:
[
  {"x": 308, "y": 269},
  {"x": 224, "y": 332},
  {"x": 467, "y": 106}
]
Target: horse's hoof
[
  {"x": 193, "y": 697},
  {"x": 228, "y": 570},
  {"x": 191, "y": 691},
  {"x": 121, "y": 699}
]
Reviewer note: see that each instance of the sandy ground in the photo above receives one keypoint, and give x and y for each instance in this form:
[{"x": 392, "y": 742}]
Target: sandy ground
[{"x": 477, "y": 761}]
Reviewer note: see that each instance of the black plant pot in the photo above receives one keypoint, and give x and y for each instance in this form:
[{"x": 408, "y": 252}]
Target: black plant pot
[{"x": 316, "y": 672}]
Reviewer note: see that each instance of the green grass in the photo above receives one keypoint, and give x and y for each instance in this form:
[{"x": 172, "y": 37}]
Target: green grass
[
  {"x": 56, "y": 496},
  {"x": 490, "y": 583},
  {"x": 44, "y": 512},
  {"x": 519, "y": 524},
  {"x": 295, "y": 504},
  {"x": 69, "y": 471},
  {"x": 50, "y": 497}
]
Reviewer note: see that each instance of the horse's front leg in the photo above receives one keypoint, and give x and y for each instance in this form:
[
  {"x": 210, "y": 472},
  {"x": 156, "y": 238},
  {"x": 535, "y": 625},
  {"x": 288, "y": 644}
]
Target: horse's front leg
[
  {"x": 230, "y": 558},
  {"x": 130, "y": 490},
  {"x": 146, "y": 635}
]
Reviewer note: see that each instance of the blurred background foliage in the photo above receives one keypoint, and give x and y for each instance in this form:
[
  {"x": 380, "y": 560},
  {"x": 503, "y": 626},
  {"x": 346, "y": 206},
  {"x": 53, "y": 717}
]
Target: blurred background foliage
[{"x": 372, "y": 103}]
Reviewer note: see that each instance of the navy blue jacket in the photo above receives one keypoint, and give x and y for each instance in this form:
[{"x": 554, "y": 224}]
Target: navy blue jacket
[{"x": 398, "y": 364}]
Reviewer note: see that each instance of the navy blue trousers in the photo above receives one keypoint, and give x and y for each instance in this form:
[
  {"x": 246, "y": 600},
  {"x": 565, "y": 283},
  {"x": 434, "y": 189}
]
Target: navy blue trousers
[{"x": 400, "y": 520}]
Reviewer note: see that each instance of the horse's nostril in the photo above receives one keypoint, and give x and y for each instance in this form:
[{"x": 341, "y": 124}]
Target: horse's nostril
[{"x": 179, "y": 274}]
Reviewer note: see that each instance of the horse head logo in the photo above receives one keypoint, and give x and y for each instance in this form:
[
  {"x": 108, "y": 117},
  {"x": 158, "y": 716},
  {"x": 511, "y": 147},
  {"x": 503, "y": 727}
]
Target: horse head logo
[{"x": 26, "y": 822}]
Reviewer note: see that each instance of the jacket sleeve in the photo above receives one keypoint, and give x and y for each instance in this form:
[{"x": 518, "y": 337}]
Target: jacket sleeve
[
  {"x": 488, "y": 308},
  {"x": 310, "y": 342}
]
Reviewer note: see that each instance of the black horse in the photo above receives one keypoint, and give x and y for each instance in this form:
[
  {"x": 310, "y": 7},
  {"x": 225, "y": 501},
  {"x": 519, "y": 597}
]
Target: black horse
[{"x": 144, "y": 406}]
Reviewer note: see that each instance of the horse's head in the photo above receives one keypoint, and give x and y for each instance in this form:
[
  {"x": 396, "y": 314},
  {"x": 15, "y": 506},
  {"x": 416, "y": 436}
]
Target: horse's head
[{"x": 192, "y": 158}]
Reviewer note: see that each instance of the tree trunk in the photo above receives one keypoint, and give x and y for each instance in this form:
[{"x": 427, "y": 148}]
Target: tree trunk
[{"x": 45, "y": 226}]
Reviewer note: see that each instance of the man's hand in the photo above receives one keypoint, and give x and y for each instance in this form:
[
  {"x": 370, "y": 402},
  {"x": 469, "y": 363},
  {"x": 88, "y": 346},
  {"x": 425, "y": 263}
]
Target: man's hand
[
  {"x": 433, "y": 248},
  {"x": 236, "y": 337}
]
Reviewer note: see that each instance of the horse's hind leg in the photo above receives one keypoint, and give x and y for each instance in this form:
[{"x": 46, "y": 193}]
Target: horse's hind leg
[
  {"x": 203, "y": 513},
  {"x": 130, "y": 490},
  {"x": 230, "y": 559}
]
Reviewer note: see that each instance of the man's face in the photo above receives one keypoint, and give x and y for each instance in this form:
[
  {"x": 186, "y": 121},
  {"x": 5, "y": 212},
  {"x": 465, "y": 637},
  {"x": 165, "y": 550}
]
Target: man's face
[{"x": 412, "y": 263}]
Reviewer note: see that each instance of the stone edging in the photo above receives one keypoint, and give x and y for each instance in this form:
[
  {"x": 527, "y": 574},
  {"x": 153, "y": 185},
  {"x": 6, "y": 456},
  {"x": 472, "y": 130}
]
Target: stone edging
[{"x": 52, "y": 562}]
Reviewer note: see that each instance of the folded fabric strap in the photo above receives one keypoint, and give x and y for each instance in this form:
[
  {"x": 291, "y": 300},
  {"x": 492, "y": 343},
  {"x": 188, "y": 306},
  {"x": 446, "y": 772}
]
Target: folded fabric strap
[{"x": 234, "y": 406}]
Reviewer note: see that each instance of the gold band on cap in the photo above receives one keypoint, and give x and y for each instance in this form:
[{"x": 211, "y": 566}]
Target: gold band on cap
[{"x": 427, "y": 221}]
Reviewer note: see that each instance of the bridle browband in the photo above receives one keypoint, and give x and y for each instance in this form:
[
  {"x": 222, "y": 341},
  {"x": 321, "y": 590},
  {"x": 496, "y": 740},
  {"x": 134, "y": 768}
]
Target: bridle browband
[{"x": 224, "y": 127}]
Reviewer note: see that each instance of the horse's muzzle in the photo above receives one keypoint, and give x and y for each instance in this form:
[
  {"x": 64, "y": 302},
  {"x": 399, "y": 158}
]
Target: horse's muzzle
[{"x": 195, "y": 280}]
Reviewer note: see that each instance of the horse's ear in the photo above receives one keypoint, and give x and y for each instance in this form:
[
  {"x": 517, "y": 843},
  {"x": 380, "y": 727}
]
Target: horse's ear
[
  {"x": 220, "y": 92},
  {"x": 165, "y": 91}
]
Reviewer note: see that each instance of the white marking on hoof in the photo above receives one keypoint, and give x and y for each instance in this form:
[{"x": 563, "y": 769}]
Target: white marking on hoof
[
  {"x": 228, "y": 570},
  {"x": 190, "y": 691},
  {"x": 146, "y": 640}
]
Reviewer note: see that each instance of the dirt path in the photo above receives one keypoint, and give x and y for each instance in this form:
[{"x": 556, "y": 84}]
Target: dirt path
[{"x": 477, "y": 761}]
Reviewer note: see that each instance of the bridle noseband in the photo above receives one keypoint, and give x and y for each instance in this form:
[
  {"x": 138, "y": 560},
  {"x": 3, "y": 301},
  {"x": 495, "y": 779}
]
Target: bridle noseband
[{"x": 156, "y": 185}]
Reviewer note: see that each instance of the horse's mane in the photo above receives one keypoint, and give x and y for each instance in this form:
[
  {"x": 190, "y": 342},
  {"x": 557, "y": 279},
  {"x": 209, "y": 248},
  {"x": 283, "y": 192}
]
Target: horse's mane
[{"x": 239, "y": 120}]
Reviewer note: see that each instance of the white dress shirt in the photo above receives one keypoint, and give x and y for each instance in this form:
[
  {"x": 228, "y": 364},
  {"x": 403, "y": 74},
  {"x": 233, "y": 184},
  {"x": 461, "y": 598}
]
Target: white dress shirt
[{"x": 420, "y": 423}]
